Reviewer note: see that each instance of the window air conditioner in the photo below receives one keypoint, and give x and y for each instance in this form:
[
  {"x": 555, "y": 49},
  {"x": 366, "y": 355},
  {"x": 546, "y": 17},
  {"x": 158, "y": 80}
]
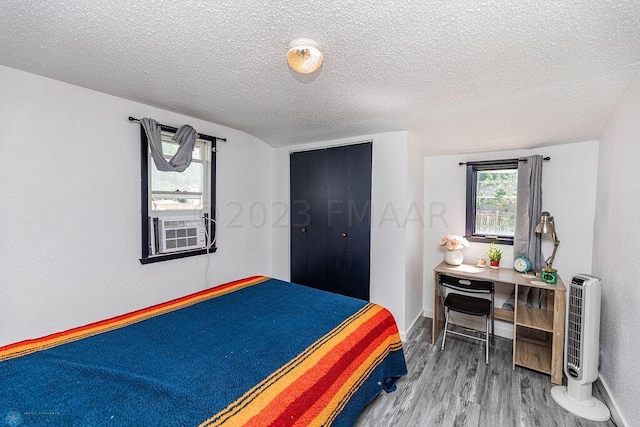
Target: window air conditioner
[{"x": 180, "y": 234}]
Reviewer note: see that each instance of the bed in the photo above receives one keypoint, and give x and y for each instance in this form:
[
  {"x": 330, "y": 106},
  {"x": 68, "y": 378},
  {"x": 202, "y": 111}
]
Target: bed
[{"x": 257, "y": 351}]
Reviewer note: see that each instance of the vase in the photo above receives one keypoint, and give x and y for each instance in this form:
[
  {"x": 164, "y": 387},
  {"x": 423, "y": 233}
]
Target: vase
[
  {"x": 494, "y": 264},
  {"x": 454, "y": 257}
]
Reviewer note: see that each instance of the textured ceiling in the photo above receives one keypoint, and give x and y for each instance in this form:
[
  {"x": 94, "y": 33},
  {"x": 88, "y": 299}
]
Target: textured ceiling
[{"x": 460, "y": 76}]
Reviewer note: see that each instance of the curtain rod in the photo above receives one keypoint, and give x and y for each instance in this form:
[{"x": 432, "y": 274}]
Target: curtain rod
[
  {"x": 133, "y": 119},
  {"x": 546, "y": 159}
]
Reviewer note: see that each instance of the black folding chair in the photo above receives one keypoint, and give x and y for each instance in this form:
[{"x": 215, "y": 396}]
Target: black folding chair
[{"x": 467, "y": 304}]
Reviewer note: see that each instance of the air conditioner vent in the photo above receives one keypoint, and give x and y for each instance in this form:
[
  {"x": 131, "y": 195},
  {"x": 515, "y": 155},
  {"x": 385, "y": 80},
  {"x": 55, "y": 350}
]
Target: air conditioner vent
[
  {"x": 179, "y": 234},
  {"x": 575, "y": 330}
]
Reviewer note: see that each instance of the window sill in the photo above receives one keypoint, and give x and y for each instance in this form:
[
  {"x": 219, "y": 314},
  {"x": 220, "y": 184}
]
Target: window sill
[
  {"x": 177, "y": 255},
  {"x": 491, "y": 239}
]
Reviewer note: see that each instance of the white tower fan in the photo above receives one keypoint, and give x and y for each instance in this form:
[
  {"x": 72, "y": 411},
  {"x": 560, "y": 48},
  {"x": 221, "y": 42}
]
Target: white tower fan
[{"x": 581, "y": 350}]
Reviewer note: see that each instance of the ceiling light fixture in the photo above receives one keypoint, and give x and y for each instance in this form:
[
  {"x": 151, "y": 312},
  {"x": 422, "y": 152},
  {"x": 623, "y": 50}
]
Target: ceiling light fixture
[{"x": 304, "y": 56}]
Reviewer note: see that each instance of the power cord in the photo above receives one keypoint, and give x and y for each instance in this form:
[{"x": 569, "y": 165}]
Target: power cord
[
  {"x": 209, "y": 246},
  {"x": 215, "y": 237}
]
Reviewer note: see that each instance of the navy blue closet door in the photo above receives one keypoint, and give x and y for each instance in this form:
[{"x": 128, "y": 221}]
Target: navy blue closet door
[
  {"x": 309, "y": 218},
  {"x": 338, "y": 234},
  {"x": 331, "y": 219},
  {"x": 359, "y": 219},
  {"x": 299, "y": 217}
]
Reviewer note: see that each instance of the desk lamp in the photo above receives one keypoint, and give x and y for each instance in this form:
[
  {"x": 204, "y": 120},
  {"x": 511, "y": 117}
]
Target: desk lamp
[{"x": 546, "y": 226}]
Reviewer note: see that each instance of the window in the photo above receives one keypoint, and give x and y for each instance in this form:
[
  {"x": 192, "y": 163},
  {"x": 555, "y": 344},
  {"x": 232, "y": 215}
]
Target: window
[
  {"x": 180, "y": 191},
  {"x": 492, "y": 189},
  {"x": 178, "y": 207}
]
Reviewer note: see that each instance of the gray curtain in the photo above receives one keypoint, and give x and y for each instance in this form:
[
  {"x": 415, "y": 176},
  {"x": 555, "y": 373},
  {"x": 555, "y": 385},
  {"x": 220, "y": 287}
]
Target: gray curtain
[
  {"x": 529, "y": 207},
  {"x": 526, "y": 241},
  {"x": 185, "y": 136}
]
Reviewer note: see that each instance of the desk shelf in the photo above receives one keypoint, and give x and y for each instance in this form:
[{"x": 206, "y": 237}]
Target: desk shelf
[
  {"x": 502, "y": 314},
  {"x": 533, "y": 356},
  {"x": 535, "y": 318}
]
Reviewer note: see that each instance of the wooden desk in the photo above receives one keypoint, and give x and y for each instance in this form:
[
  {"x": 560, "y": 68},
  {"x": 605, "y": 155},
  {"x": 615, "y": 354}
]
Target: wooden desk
[{"x": 544, "y": 357}]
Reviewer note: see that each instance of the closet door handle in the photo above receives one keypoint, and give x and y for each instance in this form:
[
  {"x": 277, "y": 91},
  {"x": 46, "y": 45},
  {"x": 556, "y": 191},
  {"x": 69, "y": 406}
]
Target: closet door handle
[
  {"x": 304, "y": 230},
  {"x": 343, "y": 235}
]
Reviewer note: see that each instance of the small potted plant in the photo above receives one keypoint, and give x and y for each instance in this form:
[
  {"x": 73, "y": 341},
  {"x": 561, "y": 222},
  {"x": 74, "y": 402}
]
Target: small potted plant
[
  {"x": 494, "y": 255},
  {"x": 481, "y": 262}
]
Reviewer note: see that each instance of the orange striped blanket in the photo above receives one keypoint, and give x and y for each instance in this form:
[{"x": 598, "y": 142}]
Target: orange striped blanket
[{"x": 257, "y": 351}]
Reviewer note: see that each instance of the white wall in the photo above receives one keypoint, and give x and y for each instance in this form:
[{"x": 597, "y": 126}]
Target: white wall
[
  {"x": 617, "y": 228},
  {"x": 390, "y": 207},
  {"x": 70, "y": 209},
  {"x": 568, "y": 193},
  {"x": 388, "y": 239},
  {"x": 414, "y": 234}
]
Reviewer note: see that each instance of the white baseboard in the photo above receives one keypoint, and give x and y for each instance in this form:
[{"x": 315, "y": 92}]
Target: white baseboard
[
  {"x": 616, "y": 414},
  {"x": 414, "y": 324}
]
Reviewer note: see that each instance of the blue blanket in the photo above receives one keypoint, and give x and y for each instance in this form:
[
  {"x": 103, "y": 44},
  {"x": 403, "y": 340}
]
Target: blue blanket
[{"x": 188, "y": 361}]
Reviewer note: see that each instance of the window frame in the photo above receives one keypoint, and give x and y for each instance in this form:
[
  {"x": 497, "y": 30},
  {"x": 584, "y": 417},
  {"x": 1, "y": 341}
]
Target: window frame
[
  {"x": 472, "y": 184},
  {"x": 145, "y": 201}
]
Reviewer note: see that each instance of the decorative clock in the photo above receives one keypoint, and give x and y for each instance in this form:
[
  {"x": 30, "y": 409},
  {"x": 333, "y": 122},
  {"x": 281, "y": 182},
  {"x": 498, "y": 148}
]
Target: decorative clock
[{"x": 522, "y": 264}]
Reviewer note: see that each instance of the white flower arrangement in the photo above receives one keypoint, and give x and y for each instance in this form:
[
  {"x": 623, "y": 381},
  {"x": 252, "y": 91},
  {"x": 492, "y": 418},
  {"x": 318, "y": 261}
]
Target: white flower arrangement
[{"x": 453, "y": 242}]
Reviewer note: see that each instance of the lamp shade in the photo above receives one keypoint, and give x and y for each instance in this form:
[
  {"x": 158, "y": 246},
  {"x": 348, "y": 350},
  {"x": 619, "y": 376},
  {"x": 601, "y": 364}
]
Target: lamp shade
[
  {"x": 304, "y": 56},
  {"x": 546, "y": 225}
]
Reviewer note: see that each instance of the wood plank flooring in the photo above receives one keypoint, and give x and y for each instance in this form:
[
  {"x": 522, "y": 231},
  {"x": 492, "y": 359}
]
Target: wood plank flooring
[{"x": 454, "y": 387}]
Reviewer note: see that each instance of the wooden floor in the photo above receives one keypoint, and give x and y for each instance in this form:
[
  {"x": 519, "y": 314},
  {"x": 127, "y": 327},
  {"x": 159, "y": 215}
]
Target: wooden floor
[{"x": 454, "y": 387}]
